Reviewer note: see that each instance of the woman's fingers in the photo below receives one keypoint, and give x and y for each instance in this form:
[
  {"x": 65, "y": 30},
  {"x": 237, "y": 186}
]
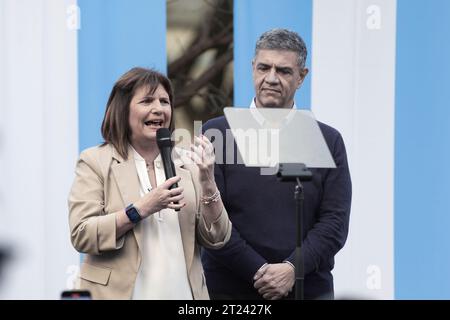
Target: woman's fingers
[
  {"x": 199, "y": 150},
  {"x": 176, "y": 191},
  {"x": 169, "y": 182},
  {"x": 205, "y": 144},
  {"x": 200, "y": 141},
  {"x": 176, "y": 198},
  {"x": 196, "y": 157},
  {"x": 176, "y": 206},
  {"x": 203, "y": 152}
]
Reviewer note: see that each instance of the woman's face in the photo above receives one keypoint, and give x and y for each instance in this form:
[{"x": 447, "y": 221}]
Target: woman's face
[{"x": 148, "y": 113}]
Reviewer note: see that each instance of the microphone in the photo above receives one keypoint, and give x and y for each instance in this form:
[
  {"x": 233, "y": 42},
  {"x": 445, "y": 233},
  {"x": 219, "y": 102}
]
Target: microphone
[{"x": 165, "y": 148}]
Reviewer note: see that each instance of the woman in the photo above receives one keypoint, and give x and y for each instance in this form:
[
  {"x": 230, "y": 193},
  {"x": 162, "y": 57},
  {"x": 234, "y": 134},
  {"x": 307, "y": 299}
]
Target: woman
[{"x": 122, "y": 212}]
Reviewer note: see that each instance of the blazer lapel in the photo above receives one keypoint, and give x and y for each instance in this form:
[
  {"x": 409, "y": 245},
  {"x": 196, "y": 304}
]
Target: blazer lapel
[
  {"x": 187, "y": 215},
  {"x": 127, "y": 180}
]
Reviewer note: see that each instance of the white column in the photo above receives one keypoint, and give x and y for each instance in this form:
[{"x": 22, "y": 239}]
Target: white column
[
  {"x": 40, "y": 145},
  {"x": 353, "y": 87}
]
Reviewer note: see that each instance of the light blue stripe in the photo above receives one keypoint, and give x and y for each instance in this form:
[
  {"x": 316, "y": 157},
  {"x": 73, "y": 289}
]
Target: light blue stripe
[
  {"x": 115, "y": 36},
  {"x": 251, "y": 19},
  {"x": 422, "y": 163}
]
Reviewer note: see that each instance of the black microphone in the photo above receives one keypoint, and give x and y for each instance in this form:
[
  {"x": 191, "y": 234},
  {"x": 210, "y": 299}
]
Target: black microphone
[{"x": 165, "y": 148}]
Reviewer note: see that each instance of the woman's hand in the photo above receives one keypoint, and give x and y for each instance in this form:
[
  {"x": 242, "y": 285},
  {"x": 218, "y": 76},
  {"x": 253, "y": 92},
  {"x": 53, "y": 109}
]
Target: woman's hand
[
  {"x": 203, "y": 155},
  {"x": 161, "y": 198}
]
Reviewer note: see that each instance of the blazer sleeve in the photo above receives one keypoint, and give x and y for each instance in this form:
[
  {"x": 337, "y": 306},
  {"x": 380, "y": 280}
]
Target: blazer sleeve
[
  {"x": 218, "y": 234},
  {"x": 92, "y": 230},
  {"x": 329, "y": 233}
]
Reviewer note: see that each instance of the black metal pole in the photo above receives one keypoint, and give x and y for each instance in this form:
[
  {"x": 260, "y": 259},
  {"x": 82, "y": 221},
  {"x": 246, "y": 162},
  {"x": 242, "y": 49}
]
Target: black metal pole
[
  {"x": 298, "y": 172},
  {"x": 299, "y": 263}
]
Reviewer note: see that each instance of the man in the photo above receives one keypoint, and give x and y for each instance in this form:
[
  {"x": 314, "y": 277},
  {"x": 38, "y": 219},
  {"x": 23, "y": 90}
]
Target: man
[{"x": 258, "y": 261}]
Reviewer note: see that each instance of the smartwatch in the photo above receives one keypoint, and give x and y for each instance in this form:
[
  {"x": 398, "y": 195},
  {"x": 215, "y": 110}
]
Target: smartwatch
[{"x": 133, "y": 214}]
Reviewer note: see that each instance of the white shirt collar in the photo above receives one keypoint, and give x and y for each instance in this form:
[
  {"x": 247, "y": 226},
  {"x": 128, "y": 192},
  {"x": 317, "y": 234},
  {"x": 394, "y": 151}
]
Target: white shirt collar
[
  {"x": 260, "y": 118},
  {"x": 253, "y": 105},
  {"x": 138, "y": 157}
]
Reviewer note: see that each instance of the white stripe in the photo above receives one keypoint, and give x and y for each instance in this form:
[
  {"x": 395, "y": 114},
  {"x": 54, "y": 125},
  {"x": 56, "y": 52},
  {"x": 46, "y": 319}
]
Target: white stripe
[
  {"x": 40, "y": 145},
  {"x": 353, "y": 78}
]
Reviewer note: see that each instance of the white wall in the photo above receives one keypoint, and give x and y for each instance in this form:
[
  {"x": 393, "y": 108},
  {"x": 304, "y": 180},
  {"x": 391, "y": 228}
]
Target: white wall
[
  {"x": 39, "y": 129},
  {"x": 353, "y": 87}
]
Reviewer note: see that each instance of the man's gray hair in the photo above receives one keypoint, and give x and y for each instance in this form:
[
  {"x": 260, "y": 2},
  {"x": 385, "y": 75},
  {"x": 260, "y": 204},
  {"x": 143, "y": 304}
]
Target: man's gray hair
[{"x": 283, "y": 39}]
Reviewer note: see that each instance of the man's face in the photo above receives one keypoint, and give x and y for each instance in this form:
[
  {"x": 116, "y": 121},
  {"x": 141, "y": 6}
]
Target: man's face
[{"x": 276, "y": 77}]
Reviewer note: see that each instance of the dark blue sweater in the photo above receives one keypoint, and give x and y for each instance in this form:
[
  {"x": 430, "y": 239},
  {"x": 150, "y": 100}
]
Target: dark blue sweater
[{"x": 262, "y": 211}]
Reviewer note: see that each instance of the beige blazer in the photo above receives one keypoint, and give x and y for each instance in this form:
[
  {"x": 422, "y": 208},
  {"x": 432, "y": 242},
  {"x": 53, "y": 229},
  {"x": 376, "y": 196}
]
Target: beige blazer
[{"x": 106, "y": 183}]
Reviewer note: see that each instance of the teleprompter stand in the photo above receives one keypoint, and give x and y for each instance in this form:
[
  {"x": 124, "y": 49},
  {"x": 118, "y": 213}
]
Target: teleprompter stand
[{"x": 298, "y": 173}]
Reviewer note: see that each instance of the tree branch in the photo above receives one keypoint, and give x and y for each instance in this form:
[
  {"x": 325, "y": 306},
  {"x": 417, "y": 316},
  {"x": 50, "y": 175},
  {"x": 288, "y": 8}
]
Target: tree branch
[
  {"x": 223, "y": 38},
  {"x": 191, "y": 89}
]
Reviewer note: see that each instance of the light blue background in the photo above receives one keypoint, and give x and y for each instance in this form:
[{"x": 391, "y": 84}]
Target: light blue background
[
  {"x": 422, "y": 152},
  {"x": 115, "y": 36}
]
